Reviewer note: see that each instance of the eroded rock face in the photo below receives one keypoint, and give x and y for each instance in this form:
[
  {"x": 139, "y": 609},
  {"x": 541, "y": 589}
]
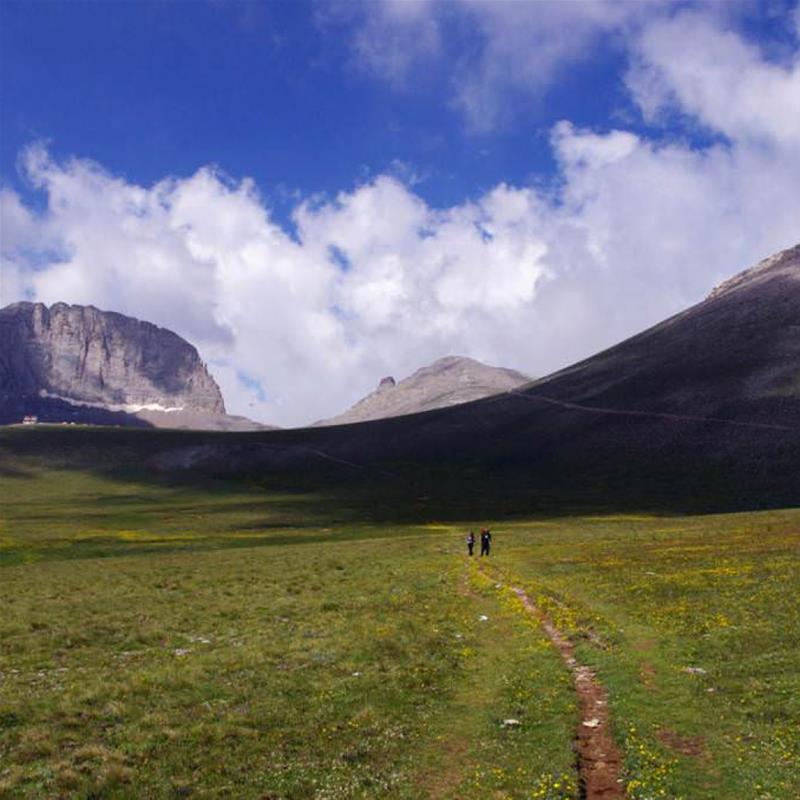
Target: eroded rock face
[
  {"x": 91, "y": 358},
  {"x": 447, "y": 382}
]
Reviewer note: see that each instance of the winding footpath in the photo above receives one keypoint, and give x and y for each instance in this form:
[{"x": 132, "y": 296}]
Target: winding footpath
[
  {"x": 599, "y": 760},
  {"x": 631, "y": 412}
]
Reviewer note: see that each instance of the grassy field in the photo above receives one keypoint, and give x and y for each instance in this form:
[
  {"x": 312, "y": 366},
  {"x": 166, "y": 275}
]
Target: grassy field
[{"x": 247, "y": 639}]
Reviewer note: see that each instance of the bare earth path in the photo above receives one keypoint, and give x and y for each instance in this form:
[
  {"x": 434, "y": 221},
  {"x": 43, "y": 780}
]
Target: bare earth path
[
  {"x": 628, "y": 412},
  {"x": 599, "y": 760}
]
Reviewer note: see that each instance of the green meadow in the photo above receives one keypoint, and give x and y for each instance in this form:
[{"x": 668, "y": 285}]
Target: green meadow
[{"x": 253, "y": 638}]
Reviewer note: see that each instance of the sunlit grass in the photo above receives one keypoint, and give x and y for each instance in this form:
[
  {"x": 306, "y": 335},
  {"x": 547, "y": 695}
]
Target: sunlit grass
[
  {"x": 694, "y": 626},
  {"x": 232, "y": 639},
  {"x": 346, "y": 663}
]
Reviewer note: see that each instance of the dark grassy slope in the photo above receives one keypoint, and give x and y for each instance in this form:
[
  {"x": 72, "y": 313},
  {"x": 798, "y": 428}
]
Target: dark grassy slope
[
  {"x": 700, "y": 412},
  {"x": 736, "y": 355},
  {"x": 49, "y": 410}
]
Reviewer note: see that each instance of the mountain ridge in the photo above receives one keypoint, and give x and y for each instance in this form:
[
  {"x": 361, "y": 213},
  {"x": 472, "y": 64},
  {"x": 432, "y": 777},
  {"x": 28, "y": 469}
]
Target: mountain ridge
[
  {"x": 706, "y": 404},
  {"x": 784, "y": 260},
  {"x": 448, "y": 381},
  {"x": 699, "y": 412}
]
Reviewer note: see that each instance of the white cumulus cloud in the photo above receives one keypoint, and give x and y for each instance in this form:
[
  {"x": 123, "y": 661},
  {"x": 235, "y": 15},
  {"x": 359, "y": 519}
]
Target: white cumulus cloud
[
  {"x": 374, "y": 281},
  {"x": 688, "y": 63}
]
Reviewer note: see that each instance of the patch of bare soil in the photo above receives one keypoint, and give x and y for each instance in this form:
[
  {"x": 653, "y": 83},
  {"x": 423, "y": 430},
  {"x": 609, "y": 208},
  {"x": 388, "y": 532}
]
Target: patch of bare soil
[
  {"x": 647, "y": 675},
  {"x": 685, "y": 745},
  {"x": 441, "y": 782},
  {"x": 464, "y": 587},
  {"x": 599, "y": 760}
]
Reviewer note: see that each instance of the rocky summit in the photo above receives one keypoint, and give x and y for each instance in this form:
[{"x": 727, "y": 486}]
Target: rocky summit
[
  {"x": 447, "y": 382},
  {"x": 71, "y": 363}
]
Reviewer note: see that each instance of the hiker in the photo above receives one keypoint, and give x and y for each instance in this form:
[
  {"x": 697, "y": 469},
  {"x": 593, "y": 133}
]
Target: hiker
[
  {"x": 470, "y": 542},
  {"x": 486, "y": 541}
]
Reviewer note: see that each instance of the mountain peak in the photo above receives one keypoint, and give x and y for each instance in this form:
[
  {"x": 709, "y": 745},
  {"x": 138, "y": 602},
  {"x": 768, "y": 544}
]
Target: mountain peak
[
  {"x": 447, "y": 381},
  {"x": 784, "y": 263},
  {"x": 78, "y": 363}
]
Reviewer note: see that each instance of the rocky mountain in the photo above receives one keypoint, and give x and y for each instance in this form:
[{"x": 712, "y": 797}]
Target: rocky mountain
[
  {"x": 77, "y": 363},
  {"x": 702, "y": 410},
  {"x": 447, "y": 382}
]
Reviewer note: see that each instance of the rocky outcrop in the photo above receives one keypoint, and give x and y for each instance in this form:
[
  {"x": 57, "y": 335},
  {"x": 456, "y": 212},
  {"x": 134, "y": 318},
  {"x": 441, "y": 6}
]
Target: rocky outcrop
[
  {"x": 85, "y": 356},
  {"x": 77, "y": 363},
  {"x": 447, "y": 382},
  {"x": 785, "y": 264}
]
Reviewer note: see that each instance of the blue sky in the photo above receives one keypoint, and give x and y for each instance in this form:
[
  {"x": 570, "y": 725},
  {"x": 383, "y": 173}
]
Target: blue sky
[
  {"x": 327, "y": 192},
  {"x": 269, "y": 90}
]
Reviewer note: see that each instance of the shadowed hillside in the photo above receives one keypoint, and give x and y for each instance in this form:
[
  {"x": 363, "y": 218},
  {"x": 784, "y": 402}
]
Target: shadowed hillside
[{"x": 701, "y": 411}]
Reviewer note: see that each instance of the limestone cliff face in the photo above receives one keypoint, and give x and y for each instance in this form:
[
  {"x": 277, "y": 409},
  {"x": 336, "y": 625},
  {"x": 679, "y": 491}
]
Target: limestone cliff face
[{"x": 91, "y": 358}]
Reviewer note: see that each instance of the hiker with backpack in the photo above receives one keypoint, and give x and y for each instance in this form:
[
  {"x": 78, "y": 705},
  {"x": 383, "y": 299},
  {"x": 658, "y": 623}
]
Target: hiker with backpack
[{"x": 486, "y": 541}]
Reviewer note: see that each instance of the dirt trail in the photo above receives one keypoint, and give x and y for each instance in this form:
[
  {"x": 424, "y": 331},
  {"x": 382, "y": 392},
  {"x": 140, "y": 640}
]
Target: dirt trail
[
  {"x": 599, "y": 759},
  {"x": 623, "y": 412}
]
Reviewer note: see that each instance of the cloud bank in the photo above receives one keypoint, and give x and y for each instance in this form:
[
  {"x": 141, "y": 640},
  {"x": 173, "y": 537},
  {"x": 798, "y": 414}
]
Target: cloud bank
[{"x": 298, "y": 324}]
